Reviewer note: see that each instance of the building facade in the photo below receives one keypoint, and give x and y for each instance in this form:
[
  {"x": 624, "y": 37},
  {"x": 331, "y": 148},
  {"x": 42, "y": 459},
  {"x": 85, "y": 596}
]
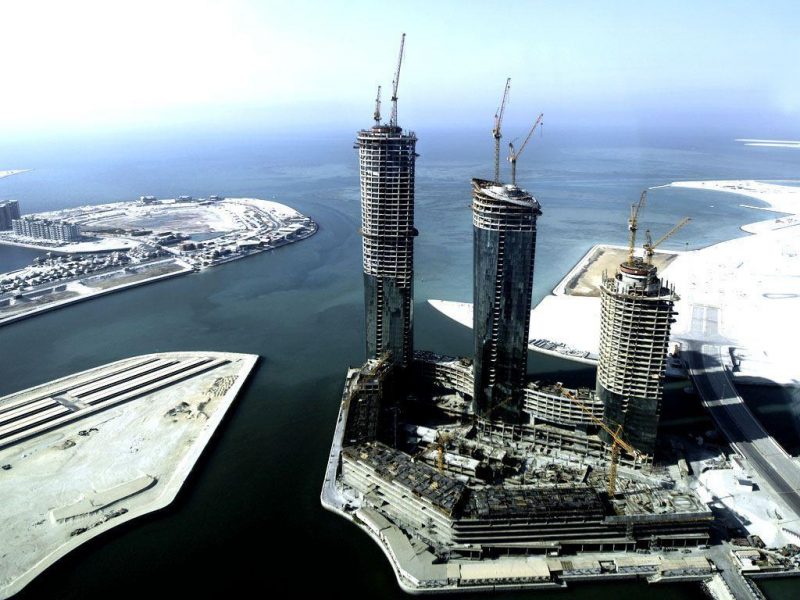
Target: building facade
[
  {"x": 9, "y": 210},
  {"x": 504, "y": 230},
  {"x": 636, "y": 315},
  {"x": 44, "y": 229},
  {"x": 387, "y": 157}
]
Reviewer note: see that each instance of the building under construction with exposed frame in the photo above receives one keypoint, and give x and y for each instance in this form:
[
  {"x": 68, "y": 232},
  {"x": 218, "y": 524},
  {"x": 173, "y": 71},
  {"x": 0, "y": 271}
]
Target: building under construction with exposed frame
[
  {"x": 636, "y": 315},
  {"x": 442, "y": 459},
  {"x": 386, "y": 158}
]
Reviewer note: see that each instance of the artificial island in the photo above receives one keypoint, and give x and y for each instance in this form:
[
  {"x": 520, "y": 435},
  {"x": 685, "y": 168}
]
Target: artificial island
[
  {"x": 90, "y": 451},
  {"x": 470, "y": 476},
  {"x": 95, "y": 250}
]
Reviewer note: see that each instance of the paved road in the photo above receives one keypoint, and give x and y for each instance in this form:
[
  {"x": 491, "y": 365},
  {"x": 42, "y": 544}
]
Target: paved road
[
  {"x": 704, "y": 357},
  {"x": 738, "y": 587}
]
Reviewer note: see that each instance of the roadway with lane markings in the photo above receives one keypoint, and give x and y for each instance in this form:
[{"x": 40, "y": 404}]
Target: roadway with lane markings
[{"x": 703, "y": 354}]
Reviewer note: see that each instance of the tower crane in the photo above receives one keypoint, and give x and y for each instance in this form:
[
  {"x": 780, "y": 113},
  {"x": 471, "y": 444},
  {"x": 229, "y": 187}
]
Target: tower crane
[
  {"x": 498, "y": 121},
  {"x": 377, "y": 114},
  {"x": 442, "y": 439},
  {"x": 513, "y": 156},
  {"x": 649, "y": 246},
  {"x": 617, "y": 444},
  {"x": 633, "y": 222},
  {"x": 396, "y": 82}
]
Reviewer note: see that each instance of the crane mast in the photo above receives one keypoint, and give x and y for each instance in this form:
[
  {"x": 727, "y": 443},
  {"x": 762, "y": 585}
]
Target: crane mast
[
  {"x": 396, "y": 82},
  {"x": 377, "y": 114},
  {"x": 633, "y": 222},
  {"x": 513, "y": 156},
  {"x": 498, "y": 122}
]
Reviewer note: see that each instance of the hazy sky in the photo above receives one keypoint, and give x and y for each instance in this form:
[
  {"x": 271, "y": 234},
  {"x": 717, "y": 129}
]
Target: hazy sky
[{"x": 109, "y": 64}]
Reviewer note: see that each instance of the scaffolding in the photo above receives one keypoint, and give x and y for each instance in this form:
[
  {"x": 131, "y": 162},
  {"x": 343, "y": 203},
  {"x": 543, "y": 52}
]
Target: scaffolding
[
  {"x": 636, "y": 316},
  {"x": 387, "y": 160}
]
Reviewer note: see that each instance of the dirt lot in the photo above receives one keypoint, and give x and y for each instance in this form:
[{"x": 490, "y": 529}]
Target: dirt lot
[{"x": 587, "y": 281}]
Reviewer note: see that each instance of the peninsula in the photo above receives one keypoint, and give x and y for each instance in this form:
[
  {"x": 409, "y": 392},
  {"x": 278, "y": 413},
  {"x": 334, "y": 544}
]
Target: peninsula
[
  {"x": 126, "y": 244},
  {"x": 101, "y": 447}
]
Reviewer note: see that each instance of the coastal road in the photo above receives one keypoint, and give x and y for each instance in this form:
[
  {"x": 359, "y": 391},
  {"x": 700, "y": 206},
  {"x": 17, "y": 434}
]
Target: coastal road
[{"x": 703, "y": 354}]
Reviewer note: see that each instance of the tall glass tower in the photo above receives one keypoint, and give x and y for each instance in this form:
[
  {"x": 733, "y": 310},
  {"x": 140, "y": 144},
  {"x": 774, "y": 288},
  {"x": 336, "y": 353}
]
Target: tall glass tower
[
  {"x": 504, "y": 227},
  {"x": 637, "y": 313},
  {"x": 386, "y": 160}
]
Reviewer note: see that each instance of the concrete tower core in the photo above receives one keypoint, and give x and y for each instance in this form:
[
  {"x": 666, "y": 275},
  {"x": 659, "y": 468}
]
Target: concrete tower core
[
  {"x": 637, "y": 312},
  {"x": 386, "y": 163},
  {"x": 504, "y": 228}
]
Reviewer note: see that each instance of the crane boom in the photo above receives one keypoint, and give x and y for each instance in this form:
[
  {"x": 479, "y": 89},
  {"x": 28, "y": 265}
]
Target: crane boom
[
  {"x": 633, "y": 222},
  {"x": 649, "y": 246},
  {"x": 377, "y": 114},
  {"x": 616, "y": 436},
  {"x": 496, "y": 132},
  {"x": 513, "y": 156},
  {"x": 396, "y": 82},
  {"x": 600, "y": 423}
]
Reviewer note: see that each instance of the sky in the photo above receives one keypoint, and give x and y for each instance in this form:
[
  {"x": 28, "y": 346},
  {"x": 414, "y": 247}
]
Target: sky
[{"x": 109, "y": 65}]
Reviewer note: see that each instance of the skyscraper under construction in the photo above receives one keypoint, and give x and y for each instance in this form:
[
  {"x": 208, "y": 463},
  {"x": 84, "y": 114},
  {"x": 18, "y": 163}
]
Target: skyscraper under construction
[
  {"x": 387, "y": 158},
  {"x": 637, "y": 312},
  {"x": 504, "y": 241}
]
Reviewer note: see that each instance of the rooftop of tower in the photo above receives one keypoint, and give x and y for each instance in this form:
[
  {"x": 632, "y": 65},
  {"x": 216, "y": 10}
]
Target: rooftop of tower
[
  {"x": 509, "y": 193},
  {"x": 380, "y": 133},
  {"x": 639, "y": 267},
  {"x": 638, "y": 278}
]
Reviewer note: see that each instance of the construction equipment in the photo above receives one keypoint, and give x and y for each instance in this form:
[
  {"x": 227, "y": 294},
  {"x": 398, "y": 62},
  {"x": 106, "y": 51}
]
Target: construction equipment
[
  {"x": 442, "y": 439},
  {"x": 513, "y": 156},
  {"x": 396, "y": 82},
  {"x": 377, "y": 114},
  {"x": 616, "y": 436},
  {"x": 649, "y": 246},
  {"x": 498, "y": 121},
  {"x": 633, "y": 222}
]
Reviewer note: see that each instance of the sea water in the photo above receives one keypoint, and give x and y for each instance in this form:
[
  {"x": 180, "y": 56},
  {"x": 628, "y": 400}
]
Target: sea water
[{"x": 250, "y": 512}]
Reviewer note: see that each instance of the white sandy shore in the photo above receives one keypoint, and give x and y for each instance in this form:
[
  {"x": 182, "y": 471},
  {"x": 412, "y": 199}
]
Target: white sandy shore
[
  {"x": 780, "y": 198},
  {"x": 79, "y": 291},
  {"x": 547, "y": 323},
  {"x": 754, "y": 281},
  {"x": 9, "y": 173},
  {"x": 770, "y": 143}
]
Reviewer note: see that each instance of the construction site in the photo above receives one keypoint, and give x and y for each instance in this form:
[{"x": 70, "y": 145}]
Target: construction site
[{"x": 468, "y": 473}]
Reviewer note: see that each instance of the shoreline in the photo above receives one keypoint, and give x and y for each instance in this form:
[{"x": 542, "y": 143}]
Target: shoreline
[
  {"x": 185, "y": 270},
  {"x": 728, "y": 274},
  {"x": 10, "y": 172},
  {"x": 79, "y": 248},
  {"x": 284, "y": 222},
  {"x": 170, "y": 486}
]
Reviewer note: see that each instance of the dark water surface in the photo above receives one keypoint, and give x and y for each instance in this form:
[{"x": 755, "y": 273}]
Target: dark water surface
[{"x": 250, "y": 512}]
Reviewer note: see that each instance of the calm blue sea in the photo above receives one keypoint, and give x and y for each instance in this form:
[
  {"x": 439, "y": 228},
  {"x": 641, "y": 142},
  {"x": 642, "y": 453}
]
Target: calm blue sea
[{"x": 300, "y": 308}]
